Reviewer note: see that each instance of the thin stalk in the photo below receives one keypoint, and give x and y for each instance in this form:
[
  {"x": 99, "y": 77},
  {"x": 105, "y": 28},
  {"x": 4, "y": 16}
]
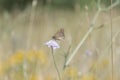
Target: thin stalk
[
  {"x": 112, "y": 56},
  {"x": 29, "y": 34},
  {"x": 112, "y": 5},
  {"x": 65, "y": 57},
  {"x": 55, "y": 64},
  {"x": 104, "y": 51},
  {"x": 91, "y": 28},
  {"x": 31, "y": 23}
]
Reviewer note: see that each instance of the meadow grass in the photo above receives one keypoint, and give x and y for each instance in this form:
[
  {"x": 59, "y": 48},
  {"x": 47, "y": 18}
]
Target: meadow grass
[{"x": 91, "y": 60}]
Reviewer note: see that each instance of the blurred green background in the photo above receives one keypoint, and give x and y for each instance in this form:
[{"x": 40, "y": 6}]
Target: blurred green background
[{"x": 69, "y": 4}]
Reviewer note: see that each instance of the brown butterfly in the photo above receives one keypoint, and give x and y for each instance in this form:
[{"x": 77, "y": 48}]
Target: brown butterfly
[{"x": 59, "y": 35}]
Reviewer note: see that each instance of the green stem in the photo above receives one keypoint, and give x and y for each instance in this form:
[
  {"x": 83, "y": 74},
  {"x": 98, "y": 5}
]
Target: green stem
[
  {"x": 55, "y": 64},
  {"x": 91, "y": 28}
]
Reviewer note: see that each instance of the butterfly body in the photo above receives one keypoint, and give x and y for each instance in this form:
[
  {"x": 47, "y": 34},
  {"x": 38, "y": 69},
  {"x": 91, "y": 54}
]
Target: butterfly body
[{"x": 59, "y": 35}]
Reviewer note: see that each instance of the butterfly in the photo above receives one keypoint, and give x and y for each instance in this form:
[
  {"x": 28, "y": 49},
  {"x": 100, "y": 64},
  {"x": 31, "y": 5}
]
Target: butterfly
[{"x": 59, "y": 35}]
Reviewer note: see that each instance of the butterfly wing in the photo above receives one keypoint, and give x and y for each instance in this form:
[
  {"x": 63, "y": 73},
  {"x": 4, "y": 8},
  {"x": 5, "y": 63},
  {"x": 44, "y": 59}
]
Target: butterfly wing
[{"x": 59, "y": 35}]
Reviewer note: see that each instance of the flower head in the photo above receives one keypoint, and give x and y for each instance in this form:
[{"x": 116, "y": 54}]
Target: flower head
[{"x": 53, "y": 44}]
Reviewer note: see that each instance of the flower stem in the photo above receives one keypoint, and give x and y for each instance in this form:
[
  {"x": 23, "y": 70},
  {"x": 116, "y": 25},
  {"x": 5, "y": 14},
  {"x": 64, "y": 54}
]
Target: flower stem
[{"x": 55, "y": 64}]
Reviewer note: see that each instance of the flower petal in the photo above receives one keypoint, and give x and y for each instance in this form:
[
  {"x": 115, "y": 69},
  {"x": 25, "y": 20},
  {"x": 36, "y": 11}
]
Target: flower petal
[{"x": 53, "y": 44}]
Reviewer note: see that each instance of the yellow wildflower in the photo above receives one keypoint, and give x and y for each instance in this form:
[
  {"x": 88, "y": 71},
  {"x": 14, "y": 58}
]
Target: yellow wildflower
[
  {"x": 34, "y": 77},
  {"x": 36, "y": 55},
  {"x": 1, "y": 69},
  {"x": 4, "y": 67},
  {"x": 31, "y": 55},
  {"x": 103, "y": 64},
  {"x": 88, "y": 77},
  {"x": 71, "y": 73},
  {"x": 48, "y": 77},
  {"x": 41, "y": 57},
  {"x": 16, "y": 58}
]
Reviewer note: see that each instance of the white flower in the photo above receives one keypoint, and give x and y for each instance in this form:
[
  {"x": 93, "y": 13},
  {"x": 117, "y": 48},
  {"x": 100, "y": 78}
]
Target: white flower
[{"x": 53, "y": 44}]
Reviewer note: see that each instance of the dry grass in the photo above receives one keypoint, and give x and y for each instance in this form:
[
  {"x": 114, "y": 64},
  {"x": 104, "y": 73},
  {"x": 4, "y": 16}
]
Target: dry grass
[{"x": 92, "y": 59}]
